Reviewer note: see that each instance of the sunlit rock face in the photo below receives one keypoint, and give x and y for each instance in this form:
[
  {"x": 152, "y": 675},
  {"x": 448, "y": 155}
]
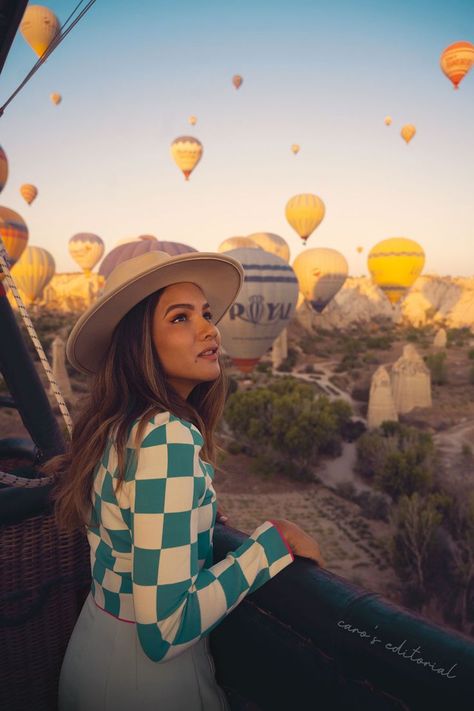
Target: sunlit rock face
[
  {"x": 59, "y": 367},
  {"x": 72, "y": 292},
  {"x": 431, "y": 300},
  {"x": 381, "y": 404},
  {"x": 411, "y": 381},
  {"x": 440, "y": 340}
]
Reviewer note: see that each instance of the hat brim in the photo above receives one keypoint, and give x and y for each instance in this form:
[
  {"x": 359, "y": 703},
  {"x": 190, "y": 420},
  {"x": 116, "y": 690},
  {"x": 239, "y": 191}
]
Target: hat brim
[{"x": 219, "y": 276}]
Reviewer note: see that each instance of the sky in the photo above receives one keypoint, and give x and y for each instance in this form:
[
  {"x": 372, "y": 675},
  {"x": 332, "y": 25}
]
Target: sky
[{"x": 320, "y": 74}]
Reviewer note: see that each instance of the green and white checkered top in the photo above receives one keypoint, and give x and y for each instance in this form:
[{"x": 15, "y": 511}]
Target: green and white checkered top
[{"x": 151, "y": 553}]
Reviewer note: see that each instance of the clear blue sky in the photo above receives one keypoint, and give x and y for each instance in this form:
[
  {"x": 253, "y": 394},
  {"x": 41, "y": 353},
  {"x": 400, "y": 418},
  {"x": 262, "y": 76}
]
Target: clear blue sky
[{"x": 321, "y": 74}]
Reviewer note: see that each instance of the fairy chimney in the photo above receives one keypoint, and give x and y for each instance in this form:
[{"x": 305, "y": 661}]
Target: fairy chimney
[
  {"x": 440, "y": 339},
  {"x": 381, "y": 405},
  {"x": 59, "y": 368},
  {"x": 411, "y": 381},
  {"x": 280, "y": 349}
]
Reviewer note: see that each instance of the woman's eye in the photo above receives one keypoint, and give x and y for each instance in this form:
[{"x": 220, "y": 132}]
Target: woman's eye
[
  {"x": 179, "y": 316},
  {"x": 208, "y": 315}
]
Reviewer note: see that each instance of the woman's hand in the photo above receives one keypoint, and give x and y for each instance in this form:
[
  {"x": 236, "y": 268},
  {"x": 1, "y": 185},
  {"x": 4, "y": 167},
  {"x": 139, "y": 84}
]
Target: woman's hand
[
  {"x": 300, "y": 542},
  {"x": 221, "y": 518}
]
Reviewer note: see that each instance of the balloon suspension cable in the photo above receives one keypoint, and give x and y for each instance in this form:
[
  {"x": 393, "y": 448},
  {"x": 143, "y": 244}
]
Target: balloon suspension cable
[
  {"x": 55, "y": 42},
  {"x": 34, "y": 337}
]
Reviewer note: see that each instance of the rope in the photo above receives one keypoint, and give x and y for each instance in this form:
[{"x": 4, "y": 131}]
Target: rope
[
  {"x": 33, "y": 335},
  {"x": 55, "y": 42}
]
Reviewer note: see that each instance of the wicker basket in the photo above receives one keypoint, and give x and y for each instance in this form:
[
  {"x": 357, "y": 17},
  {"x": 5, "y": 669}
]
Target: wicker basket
[{"x": 45, "y": 578}]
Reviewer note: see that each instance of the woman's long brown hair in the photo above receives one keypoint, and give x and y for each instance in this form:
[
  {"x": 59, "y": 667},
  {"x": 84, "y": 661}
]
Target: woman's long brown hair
[{"x": 129, "y": 385}]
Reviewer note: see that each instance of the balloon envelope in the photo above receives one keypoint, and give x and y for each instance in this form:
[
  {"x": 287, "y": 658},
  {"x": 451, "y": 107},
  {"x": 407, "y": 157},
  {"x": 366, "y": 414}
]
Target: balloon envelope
[
  {"x": 321, "y": 272},
  {"x": 237, "y": 81},
  {"x": 3, "y": 169},
  {"x": 29, "y": 192},
  {"x": 395, "y": 264},
  {"x": 236, "y": 243},
  {"x": 272, "y": 243},
  {"x": 456, "y": 60},
  {"x": 33, "y": 271},
  {"x": 187, "y": 152},
  {"x": 192, "y": 120},
  {"x": 56, "y": 98},
  {"x": 359, "y": 249},
  {"x": 137, "y": 247},
  {"x": 387, "y": 120},
  {"x": 264, "y": 307},
  {"x": 295, "y": 148},
  {"x": 86, "y": 249},
  {"x": 14, "y": 234},
  {"x": 304, "y": 213},
  {"x": 407, "y": 132},
  {"x": 39, "y": 27}
]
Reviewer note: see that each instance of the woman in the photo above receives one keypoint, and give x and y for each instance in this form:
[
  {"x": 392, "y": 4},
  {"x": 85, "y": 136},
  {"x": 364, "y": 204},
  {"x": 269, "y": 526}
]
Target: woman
[{"x": 139, "y": 477}]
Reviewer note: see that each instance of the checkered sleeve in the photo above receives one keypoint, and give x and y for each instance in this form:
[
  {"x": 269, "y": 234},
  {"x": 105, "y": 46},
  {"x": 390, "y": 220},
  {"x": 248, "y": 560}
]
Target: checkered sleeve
[{"x": 178, "y": 596}]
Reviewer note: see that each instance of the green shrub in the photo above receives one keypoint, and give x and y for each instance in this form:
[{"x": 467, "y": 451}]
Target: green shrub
[{"x": 436, "y": 364}]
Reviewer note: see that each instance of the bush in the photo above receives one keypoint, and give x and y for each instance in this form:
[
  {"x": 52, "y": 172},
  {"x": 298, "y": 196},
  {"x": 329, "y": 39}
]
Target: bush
[
  {"x": 374, "y": 505},
  {"x": 436, "y": 364},
  {"x": 470, "y": 354},
  {"x": 471, "y": 375},
  {"x": 309, "y": 368},
  {"x": 263, "y": 368},
  {"x": 234, "y": 447},
  {"x": 287, "y": 365}
]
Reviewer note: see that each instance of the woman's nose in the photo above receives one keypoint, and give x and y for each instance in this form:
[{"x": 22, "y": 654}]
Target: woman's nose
[{"x": 208, "y": 327}]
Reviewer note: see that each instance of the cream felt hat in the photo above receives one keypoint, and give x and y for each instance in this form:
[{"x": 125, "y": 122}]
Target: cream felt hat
[{"x": 219, "y": 276}]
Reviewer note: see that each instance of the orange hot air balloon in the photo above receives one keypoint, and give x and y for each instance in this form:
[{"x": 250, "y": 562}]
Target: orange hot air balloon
[
  {"x": 295, "y": 148},
  {"x": 28, "y": 192},
  {"x": 407, "y": 132},
  {"x": 192, "y": 120},
  {"x": 387, "y": 120},
  {"x": 56, "y": 98},
  {"x": 237, "y": 81},
  {"x": 456, "y": 60}
]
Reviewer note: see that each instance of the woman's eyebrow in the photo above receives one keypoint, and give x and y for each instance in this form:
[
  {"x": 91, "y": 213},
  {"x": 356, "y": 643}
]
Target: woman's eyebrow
[{"x": 184, "y": 306}]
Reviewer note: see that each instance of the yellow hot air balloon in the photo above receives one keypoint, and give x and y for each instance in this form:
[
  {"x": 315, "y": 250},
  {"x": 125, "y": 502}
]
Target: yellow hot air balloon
[
  {"x": 56, "y": 98},
  {"x": 387, "y": 120},
  {"x": 14, "y": 234},
  {"x": 3, "y": 169},
  {"x": 237, "y": 81},
  {"x": 39, "y": 27},
  {"x": 304, "y": 213},
  {"x": 295, "y": 148},
  {"x": 86, "y": 249},
  {"x": 456, "y": 60},
  {"x": 271, "y": 243},
  {"x": 321, "y": 273},
  {"x": 192, "y": 120},
  {"x": 359, "y": 250},
  {"x": 236, "y": 243},
  {"x": 29, "y": 192},
  {"x": 407, "y": 132},
  {"x": 395, "y": 264},
  {"x": 33, "y": 271},
  {"x": 187, "y": 152}
]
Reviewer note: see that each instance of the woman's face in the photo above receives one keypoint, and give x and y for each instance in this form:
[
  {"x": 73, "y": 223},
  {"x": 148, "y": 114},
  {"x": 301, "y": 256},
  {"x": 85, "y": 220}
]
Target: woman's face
[{"x": 182, "y": 330}]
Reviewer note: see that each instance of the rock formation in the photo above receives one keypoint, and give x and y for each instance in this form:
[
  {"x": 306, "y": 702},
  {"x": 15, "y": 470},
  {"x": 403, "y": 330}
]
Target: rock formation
[
  {"x": 59, "y": 368},
  {"x": 280, "y": 349},
  {"x": 440, "y": 339},
  {"x": 411, "y": 381},
  {"x": 72, "y": 292},
  {"x": 381, "y": 405}
]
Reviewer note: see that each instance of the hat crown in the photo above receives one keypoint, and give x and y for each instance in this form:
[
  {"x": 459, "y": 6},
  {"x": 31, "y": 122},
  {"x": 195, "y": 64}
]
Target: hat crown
[{"x": 131, "y": 268}]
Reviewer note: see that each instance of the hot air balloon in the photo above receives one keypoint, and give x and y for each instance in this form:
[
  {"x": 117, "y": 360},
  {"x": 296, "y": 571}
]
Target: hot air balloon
[
  {"x": 359, "y": 250},
  {"x": 3, "y": 168},
  {"x": 272, "y": 243},
  {"x": 192, "y": 120},
  {"x": 304, "y": 213},
  {"x": 186, "y": 152},
  {"x": 321, "y": 272},
  {"x": 394, "y": 265},
  {"x": 56, "y": 98},
  {"x": 237, "y": 81},
  {"x": 236, "y": 243},
  {"x": 39, "y": 27},
  {"x": 127, "y": 240},
  {"x": 295, "y": 148},
  {"x": 407, "y": 132},
  {"x": 29, "y": 192},
  {"x": 387, "y": 120},
  {"x": 140, "y": 246},
  {"x": 263, "y": 308},
  {"x": 33, "y": 271},
  {"x": 86, "y": 249},
  {"x": 14, "y": 234},
  {"x": 456, "y": 60}
]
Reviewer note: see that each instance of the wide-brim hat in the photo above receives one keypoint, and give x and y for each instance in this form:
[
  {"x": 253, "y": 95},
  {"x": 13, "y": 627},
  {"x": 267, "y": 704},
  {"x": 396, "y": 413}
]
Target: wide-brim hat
[{"x": 219, "y": 276}]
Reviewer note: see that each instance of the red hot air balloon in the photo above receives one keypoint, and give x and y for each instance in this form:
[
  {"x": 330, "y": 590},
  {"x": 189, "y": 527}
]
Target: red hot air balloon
[{"x": 237, "y": 81}]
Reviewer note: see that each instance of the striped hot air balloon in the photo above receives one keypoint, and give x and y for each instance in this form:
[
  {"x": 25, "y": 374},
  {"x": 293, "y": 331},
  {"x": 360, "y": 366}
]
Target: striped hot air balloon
[
  {"x": 272, "y": 243},
  {"x": 304, "y": 213},
  {"x": 321, "y": 272},
  {"x": 264, "y": 307},
  {"x": 456, "y": 60},
  {"x": 87, "y": 250},
  {"x": 187, "y": 152},
  {"x": 395, "y": 264},
  {"x": 137, "y": 247},
  {"x": 39, "y": 27},
  {"x": 14, "y": 234},
  {"x": 33, "y": 271},
  {"x": 3, "y": 169},
  {"x": 29, "y": 192},
  {"x": 236, "y": 243}
]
